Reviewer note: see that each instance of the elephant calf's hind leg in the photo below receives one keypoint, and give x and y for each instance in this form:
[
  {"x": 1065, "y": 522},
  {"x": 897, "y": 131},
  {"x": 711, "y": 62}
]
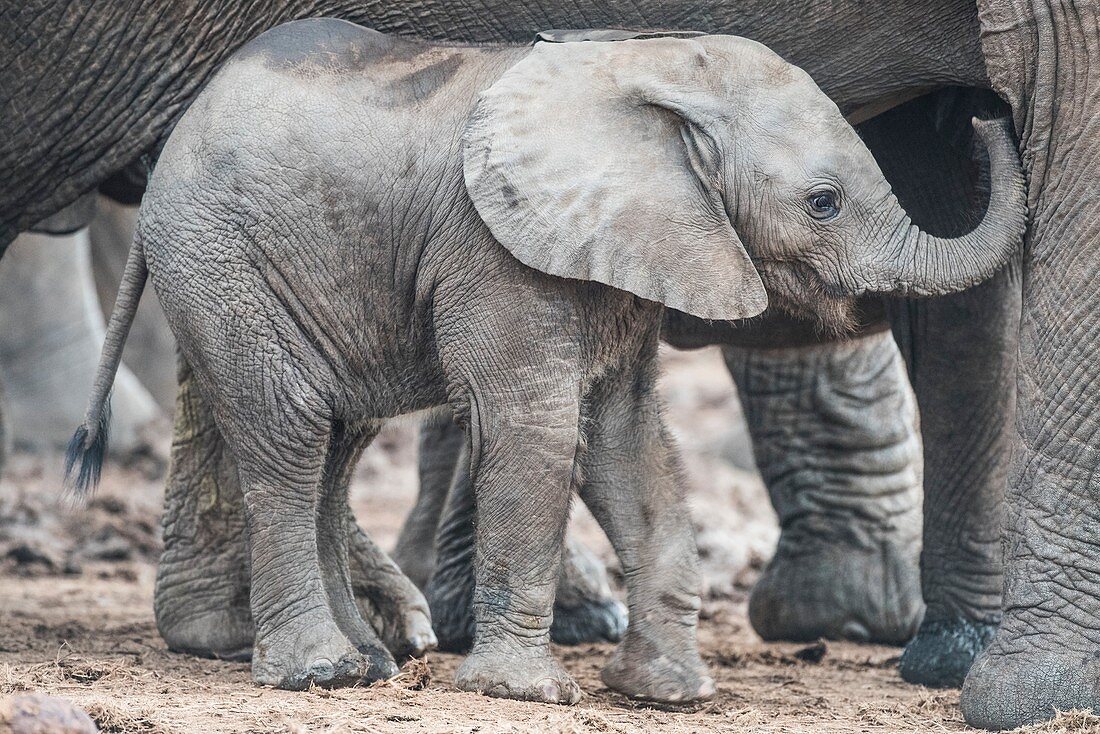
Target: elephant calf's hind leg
[{"x": 333, "y": 520}]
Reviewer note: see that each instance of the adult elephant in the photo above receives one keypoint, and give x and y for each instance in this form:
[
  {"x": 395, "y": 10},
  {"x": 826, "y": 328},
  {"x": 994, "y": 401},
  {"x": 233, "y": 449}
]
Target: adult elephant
[{"x": 95, "y": 88}]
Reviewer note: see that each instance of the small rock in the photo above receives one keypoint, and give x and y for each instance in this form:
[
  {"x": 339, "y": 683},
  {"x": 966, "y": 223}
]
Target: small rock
[{"x": 35, "y": 713}]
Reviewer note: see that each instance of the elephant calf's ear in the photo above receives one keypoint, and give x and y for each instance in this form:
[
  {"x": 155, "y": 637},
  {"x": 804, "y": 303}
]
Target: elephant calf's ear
[{"x": 581, "y": 174}]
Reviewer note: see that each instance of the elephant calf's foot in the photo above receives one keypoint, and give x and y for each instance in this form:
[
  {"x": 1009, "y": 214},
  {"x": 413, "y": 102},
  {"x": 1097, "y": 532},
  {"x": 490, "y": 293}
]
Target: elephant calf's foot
[
  {"x": 643, "y": 670},
  {"x": 853, "y": 595},
  {"x": 1028, "y": 685},
  {"x": 943, "y": 651},
  {"x": 527, "y": 676},
  {"x": 311, "y": 650}
]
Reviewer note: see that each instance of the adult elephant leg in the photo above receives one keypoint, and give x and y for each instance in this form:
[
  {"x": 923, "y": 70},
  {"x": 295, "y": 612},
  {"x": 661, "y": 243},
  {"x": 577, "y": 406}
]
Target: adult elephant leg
[
  {"x": 202, "y": 589},
  {"x": 834, "y": 435},
  {"x": 584, "y": 608},
  {"x": 51, "y": 333},
  {"x": 961, "y": 351},
  {"x": 1044, "y": 656}
]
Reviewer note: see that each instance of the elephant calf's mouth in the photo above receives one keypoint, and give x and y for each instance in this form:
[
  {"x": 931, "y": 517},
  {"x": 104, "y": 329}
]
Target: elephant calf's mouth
[{"x": 798, "y": 290}]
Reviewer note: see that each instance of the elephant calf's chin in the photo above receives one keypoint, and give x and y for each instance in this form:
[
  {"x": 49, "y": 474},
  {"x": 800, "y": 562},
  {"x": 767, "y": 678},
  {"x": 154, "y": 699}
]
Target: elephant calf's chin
[{"x": 794, "y": 289}]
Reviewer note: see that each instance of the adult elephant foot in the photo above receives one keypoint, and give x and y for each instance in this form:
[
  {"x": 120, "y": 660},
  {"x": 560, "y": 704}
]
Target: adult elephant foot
[
  {"x": 1025, "y": 678},
  {"x": 202, "y": 591},
  {"x": 51, "y": 333},
  {"x": 943, "y": 651},
  {"x": 585, "y": 609},
  {"x": 387, "y": 599},
  {"x": 835, "y": 438}
]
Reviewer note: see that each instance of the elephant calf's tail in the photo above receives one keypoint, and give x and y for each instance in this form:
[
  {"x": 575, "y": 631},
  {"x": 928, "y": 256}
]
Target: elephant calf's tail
[{"x": 89, "y": 443}]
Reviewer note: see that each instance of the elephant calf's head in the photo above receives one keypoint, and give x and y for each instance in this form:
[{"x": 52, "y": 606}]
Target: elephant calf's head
[{"x": 676, "y": 168}]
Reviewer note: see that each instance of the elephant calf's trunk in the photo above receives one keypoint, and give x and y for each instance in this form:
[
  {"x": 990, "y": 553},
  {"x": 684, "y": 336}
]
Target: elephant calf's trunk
[{"x": 926, "y": 265}]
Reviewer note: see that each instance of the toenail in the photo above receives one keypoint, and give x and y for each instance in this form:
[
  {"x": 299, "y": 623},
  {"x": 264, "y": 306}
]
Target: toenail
[
  {"x": 706, "y": 690},
  {"x": 550, "y": 690}
]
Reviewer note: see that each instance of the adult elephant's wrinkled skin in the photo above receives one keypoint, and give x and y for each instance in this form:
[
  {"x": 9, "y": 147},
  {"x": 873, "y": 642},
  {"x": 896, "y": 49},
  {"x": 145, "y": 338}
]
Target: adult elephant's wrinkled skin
[
  {"x": 1043, "y": 59},
  {"x": 312, "y": 306}
]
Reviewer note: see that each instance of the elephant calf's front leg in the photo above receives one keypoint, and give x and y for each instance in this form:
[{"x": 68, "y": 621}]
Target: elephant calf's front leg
[
  {"x": 522, "y": 473},
  {"x": 634, "y": 488},
  {"x": 584, "y": 608}
]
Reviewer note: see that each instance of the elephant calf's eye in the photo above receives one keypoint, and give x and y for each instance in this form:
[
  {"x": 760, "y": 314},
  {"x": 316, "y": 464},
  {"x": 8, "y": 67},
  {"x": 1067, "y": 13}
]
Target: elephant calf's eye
[{"x": 823, "y": 204}]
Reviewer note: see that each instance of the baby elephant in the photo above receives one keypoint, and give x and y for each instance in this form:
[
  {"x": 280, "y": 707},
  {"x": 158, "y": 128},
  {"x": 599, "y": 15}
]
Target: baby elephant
[{"x": 347, "y": 227}]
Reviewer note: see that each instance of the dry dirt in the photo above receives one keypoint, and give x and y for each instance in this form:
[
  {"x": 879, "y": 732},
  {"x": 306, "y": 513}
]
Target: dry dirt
[{"x": 76, "y": 616}]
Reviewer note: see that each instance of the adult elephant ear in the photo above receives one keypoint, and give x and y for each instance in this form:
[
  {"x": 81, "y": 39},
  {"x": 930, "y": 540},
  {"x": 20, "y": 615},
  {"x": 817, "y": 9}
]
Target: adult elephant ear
[{"x": 593, "y": 161}]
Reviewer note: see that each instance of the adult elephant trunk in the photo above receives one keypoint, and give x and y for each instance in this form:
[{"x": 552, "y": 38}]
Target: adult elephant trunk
[{"x": 921, "y": 264}]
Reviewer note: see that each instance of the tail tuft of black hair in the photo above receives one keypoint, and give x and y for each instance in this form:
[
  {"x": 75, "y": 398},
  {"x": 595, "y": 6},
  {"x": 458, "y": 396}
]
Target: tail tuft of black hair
[{"x": 88, "y": 447}]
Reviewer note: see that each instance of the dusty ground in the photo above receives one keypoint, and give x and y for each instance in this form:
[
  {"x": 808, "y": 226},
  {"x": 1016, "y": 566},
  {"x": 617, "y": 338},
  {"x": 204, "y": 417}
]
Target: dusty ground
[{"x": 76, "y": 617}]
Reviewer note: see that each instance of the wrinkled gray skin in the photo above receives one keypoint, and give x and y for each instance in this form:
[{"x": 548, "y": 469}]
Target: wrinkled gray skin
[
  {"x": 201, "y": 531},
  {"x": 401, "y": 299},
  {"x": 823, "y": 594},
  {"x": 1043, "y": 655},
  {"x": 442, "y": 526},
  {"x": 835, "y": 436},
  {"x": 964, "y": 382},
  {"x": 850, "y": 516},
  {"x": 93, "y": 96}
]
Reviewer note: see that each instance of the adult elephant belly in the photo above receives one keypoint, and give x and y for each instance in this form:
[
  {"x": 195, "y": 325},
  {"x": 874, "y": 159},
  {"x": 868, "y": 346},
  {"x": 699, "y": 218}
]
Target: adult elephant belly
[{"x": 92, "y": 99}]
